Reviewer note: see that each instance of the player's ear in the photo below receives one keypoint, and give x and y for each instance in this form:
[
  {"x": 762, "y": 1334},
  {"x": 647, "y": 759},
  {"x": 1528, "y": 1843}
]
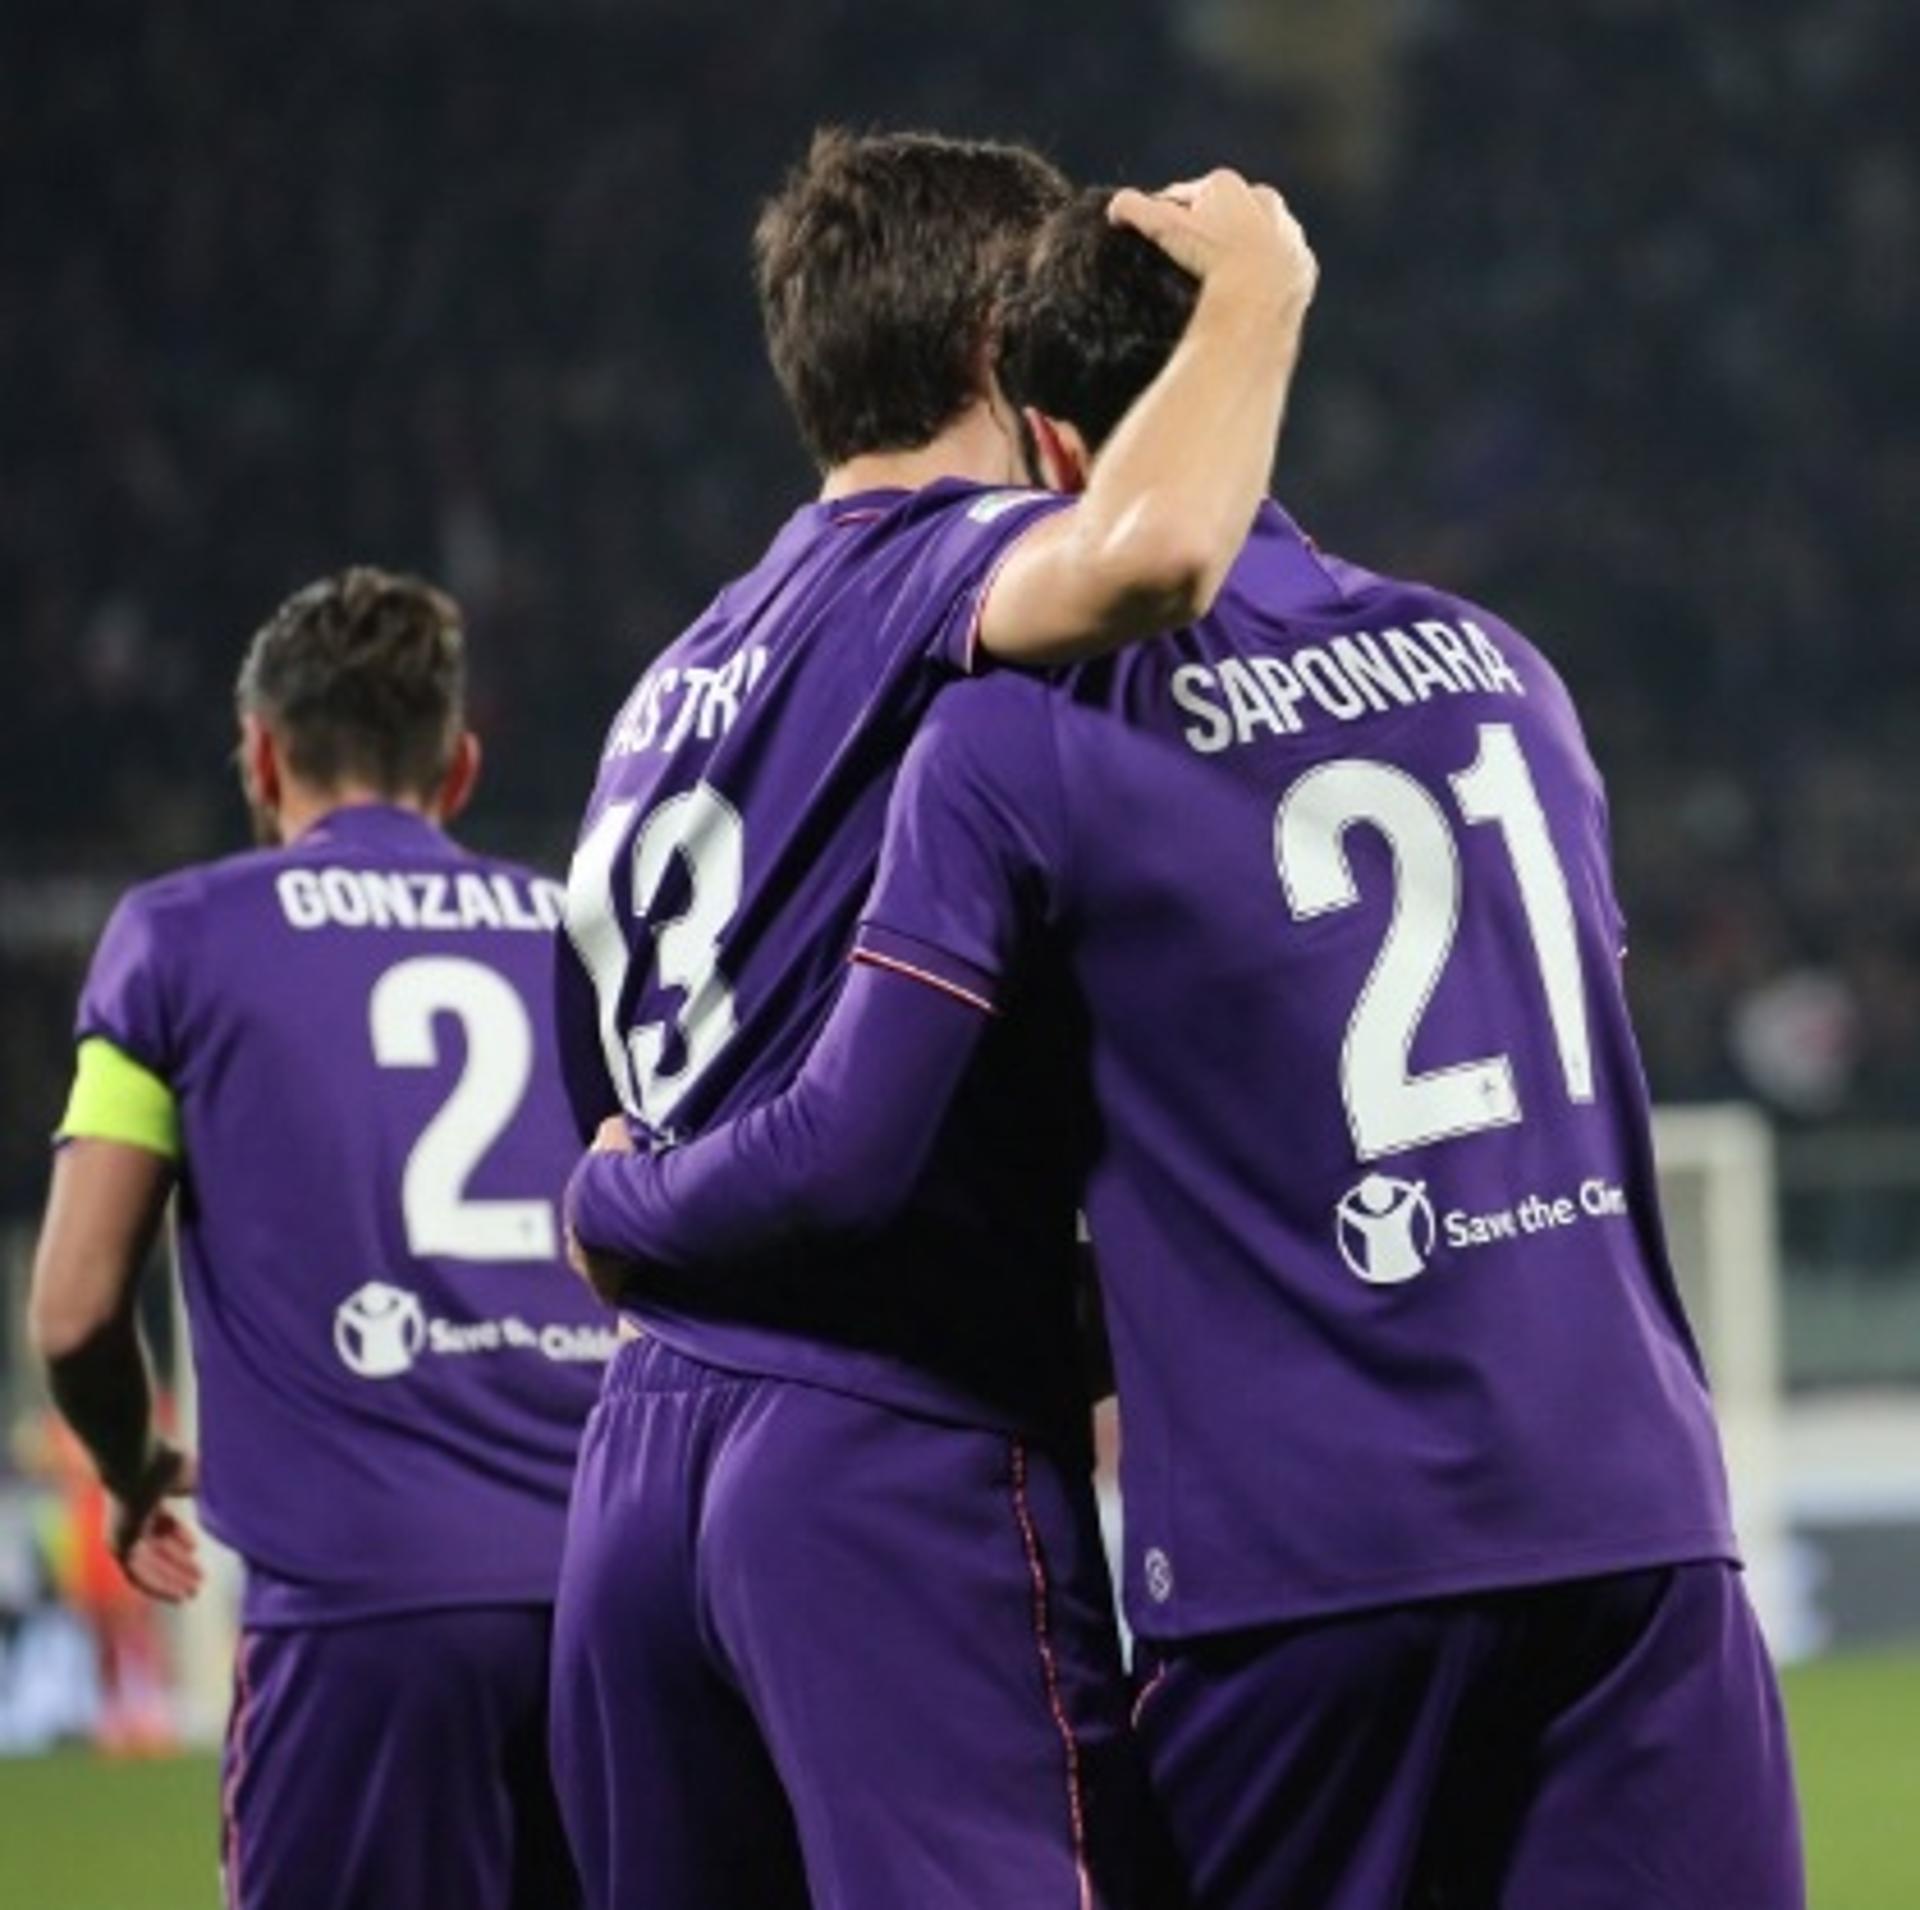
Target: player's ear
[
  {"x": 1063, "y": 452},
  {"x": 258, "y": 757},
  {"x": 463, "y": 772}
]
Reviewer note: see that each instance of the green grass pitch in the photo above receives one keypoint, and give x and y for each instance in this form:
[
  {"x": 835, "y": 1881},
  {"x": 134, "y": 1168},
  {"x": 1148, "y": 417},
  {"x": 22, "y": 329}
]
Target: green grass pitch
[{"x": 76, "y": 1834}]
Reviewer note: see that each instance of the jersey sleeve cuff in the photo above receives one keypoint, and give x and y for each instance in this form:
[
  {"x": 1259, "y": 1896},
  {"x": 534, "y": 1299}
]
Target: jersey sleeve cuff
[{"x": 877, "y": 946}]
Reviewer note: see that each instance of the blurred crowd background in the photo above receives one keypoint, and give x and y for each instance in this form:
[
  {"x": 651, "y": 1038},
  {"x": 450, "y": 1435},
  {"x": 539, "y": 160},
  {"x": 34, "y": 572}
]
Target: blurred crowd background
[{"x": 1615, "y": 332}]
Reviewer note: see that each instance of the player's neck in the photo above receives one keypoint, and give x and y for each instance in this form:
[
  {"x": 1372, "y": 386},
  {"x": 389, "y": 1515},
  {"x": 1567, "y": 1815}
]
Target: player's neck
[
  {"x": 973, "y": 446},
  {"x": 302, "y": 809}
]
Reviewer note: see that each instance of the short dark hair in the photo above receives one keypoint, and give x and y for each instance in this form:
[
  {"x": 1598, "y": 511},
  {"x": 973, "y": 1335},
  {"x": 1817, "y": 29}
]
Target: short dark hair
[
  {"x": 1090, "y": 318},
  {"x": 877, "y": 265},
  {"x": 362, "y": 676}
]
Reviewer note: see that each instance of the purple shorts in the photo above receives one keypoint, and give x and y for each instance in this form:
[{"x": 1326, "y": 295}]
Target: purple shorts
[
  {"x": 1604, "y": 1744},
  {"x": 810, "y": 1650},
  {"x": 394, "y": 1764}
]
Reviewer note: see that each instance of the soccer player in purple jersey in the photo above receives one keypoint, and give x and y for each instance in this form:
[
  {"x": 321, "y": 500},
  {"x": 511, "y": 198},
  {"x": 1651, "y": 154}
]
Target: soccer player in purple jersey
[
  {"x": 1427, "y": 1537},
  {"x": 335, "y": 1054},
  {"x": 833, "y": 1622}
]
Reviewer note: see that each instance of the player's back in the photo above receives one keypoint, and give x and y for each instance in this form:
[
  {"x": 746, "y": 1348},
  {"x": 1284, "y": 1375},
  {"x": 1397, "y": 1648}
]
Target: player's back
[
  {"x": 731, "y": 838},
  {"x": 393, "y": 1364},
  {"x": 1376, "y": 1209}
]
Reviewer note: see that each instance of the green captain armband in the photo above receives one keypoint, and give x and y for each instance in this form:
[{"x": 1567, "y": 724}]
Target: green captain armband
[{"x": 115, "y": 1099}]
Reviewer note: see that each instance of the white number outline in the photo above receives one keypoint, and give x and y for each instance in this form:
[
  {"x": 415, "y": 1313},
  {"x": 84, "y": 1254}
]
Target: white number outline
[
  {"x": 443, "y": 1222},
  {"x": 1391, "y": 1111},
  {"x": 701, "y": 828},
  {"x": 1498, "y": 787}
]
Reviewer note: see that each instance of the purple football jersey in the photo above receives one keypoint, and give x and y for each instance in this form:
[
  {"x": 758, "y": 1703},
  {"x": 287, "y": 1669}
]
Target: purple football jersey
[
  {"x": 731, "y": 838},
  {"x": 393, "y": 1364},
  {"x": 1374, "y": 1203}
]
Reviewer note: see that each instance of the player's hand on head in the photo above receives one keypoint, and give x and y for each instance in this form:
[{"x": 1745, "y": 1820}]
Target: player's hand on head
[
  {"x": 157, "y": 1549},
  {"x": 1224, "y": 226}
]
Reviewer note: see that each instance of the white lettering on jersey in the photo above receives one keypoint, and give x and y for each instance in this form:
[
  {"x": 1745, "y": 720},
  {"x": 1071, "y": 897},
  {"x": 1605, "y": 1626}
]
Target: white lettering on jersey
[
  {"x": 1345, "y": 679},
  {"x": 419, "y": 899},
  {"x": 1190, "y": 684},
  {"x": 673, "y": 702}
]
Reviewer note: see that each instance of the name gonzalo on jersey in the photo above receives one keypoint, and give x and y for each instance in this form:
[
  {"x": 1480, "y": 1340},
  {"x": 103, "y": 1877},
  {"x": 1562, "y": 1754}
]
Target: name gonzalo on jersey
[
  {"x": 1345, "y": 678},
  {"x": 419, "y": 899}
]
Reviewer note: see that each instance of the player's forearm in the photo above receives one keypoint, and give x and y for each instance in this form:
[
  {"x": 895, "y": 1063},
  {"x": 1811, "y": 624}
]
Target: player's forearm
[
  {"x": 103, "y": 1211},
  {"x": 728, "y": 1197},
  {"x": 103, "y": 1389},
  {"x": 838, "y": 1153}
]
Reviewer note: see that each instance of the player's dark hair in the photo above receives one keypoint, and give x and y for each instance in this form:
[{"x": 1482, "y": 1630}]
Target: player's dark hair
[
  {"x": 877, "y": 264},
  {"x": 1090, "y": 318},
  {"x": 362, "y": 676}
]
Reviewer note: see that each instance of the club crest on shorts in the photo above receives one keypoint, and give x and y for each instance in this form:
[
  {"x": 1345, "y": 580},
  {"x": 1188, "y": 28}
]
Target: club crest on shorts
[
  {"x": 1385, "y": 1229},
  {"x": 1157, "y": 1569},
  {"x": 378, "y": 1330}
]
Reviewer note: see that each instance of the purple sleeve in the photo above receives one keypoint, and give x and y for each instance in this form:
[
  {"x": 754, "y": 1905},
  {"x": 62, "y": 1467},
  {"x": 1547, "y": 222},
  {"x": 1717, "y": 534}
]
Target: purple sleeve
[
  {"x": 128, "y": 998},
  {"x": 839, "y": 1151},
  {"x": 976, "y": 852},
  {"x": 972, "y": 854},
  {"x": 975, "y": 534}
]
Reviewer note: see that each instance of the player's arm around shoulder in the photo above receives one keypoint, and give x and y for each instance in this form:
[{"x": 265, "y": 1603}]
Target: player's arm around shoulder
[{"x": 1170, "y": 499}]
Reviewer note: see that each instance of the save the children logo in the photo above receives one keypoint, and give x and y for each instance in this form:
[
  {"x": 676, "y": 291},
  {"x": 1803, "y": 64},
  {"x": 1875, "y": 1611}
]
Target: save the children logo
[
  {"x": 1385, "y": 1229},
  {"x": 381, "y": 1331},
  {"x": 1388, "y": 1229},
  {"x": 378, "y": 1330}
]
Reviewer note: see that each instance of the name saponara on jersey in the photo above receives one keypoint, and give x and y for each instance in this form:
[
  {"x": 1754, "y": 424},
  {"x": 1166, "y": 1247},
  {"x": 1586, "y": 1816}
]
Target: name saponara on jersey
[
  {"x": 1342, "y": 678},
  {"x": 432, "y": 900}
]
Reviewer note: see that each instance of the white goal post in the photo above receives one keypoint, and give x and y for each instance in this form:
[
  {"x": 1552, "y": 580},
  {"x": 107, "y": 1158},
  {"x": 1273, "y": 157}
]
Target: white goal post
[{"x": 1718, "y": 1190}]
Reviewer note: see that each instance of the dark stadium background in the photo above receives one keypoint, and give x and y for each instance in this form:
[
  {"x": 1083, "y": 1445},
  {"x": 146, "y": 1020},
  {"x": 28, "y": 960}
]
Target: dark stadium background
[{"x": 1616, "y": 331}]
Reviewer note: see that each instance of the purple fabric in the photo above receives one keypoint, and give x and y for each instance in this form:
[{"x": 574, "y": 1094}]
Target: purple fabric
[
  {"x": 731, "y": 837},
  {"x": 1612, "y": 1744},
  {"x": 838, "y": 1151},
  {"x": 380, "y": 1429},
  {"x": 399, "y": 1762},
  {"x": 1358, "y": 1362},
  {"x": 583, "y": 1062},
  {"x": 894, "y": 1666},
  {"x": 1349, "y": 1377}
]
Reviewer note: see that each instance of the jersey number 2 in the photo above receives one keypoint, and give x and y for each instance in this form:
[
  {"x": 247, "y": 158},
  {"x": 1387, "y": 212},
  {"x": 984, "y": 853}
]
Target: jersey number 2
[
  {"x": 1389, "y": 1107},
  {"x": 442, "y": 1220}
]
